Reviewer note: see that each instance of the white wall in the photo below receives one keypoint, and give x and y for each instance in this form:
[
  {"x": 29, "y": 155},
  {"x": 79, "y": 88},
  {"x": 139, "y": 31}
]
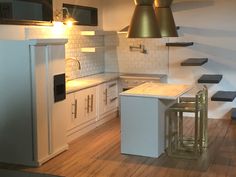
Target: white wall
[
  {"x": 121, "y": 59},
  {"x": 208, "y": 23},
  {"x": 12, "y": 32},
  {"x": 117, "y": 14}
]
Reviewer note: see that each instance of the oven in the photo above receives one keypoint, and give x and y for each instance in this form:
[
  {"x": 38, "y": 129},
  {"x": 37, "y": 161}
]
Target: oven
[{"x": 129, "y": 81}]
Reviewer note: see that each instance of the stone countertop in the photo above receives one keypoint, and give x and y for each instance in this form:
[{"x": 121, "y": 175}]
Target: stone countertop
[
  {"x": 89, "y": 81},
  {"x": 158, "y": 90},
  {"x": 143, "y": 76},
  {"x": 96, "y": 79}
]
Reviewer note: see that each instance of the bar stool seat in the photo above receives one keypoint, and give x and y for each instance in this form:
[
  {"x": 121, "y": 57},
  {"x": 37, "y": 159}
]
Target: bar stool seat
[
  {"x": 185, "y": 107},
  {"x": 187, "y": 99},
  {"x": 178, "y": 144}
]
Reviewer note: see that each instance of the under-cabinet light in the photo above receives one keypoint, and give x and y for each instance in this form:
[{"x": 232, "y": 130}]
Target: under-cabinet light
[
  {"x": 87, "y": 33},
  {"x": 88, "y": 49}
]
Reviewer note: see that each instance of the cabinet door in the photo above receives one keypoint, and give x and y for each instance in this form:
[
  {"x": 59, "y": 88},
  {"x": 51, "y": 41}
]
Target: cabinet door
[
  {"x": 81, "y": 99},
  {"x": 86, "y": 105},
  {"x": 92, "y": 105},
  {"x": 71, "y": 110},
  {"x": 76, "y": 105},
  {"x": 102, "y": 98}
]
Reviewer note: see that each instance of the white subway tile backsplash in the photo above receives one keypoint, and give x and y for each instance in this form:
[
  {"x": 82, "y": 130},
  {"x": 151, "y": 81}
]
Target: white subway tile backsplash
[
  {"x": 126, "y": 61},
  {"x": 91, "y": 63},
  {"x": 116, "y": 56}
]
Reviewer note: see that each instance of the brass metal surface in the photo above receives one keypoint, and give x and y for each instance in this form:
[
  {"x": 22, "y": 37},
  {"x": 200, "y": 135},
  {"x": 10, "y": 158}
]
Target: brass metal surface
[
  {"x": 166, "y": 22},
  {"x": 144, "y": 23},
  {"x": 165, "y": 18},
  {"x": 143, "y": 2},
  {"x": 163, "y": 3}
]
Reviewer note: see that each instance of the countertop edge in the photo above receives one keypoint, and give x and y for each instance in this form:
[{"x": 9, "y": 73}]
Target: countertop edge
[
  {"x": 69, "y": 91},
  {"x": 156, "y": 96},
  {"x": 149, "y": 96}
]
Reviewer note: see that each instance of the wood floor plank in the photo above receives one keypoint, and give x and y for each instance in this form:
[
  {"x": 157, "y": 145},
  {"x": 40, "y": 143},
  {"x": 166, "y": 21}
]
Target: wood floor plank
[{"x": 97, "y": 154}]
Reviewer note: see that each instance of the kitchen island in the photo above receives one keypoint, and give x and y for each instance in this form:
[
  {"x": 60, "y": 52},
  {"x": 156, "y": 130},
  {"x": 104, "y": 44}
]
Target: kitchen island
[{"x": 143, "y": 117}]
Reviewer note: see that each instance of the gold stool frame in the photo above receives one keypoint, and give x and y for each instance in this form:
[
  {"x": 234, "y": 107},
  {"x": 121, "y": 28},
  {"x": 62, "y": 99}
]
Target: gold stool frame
[{"x": 178, "y": 146}]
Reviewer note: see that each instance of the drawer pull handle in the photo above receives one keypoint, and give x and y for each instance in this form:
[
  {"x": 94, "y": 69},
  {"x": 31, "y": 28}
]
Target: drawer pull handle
[
  {"x": 92, "y": 103},
  {"x": 105, "y": 100},
  {"x": 88, "y": 100},
  {"x": 76, "y": 110},
  {"x": 113, "y": 99},
  {"x": 112, "y": 85}
]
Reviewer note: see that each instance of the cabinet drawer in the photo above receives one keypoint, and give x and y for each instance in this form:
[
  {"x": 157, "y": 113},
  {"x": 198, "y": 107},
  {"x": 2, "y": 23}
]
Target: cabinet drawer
[
  {"x": 112, "y": 88},
  {"x": 113, "y": 102}
]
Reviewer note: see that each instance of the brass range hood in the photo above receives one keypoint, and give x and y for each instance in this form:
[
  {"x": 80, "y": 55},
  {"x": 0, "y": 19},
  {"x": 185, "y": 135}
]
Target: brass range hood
[
  {"x": 165, "y": 18},
  {"x": 144, "y": 23}
]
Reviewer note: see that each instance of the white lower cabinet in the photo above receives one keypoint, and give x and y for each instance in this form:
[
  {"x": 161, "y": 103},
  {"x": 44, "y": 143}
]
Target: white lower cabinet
[
  {"x": 108, "y": 98},
  {"x": 82, "y": 112},
  {"x": 88, "y": 108}
]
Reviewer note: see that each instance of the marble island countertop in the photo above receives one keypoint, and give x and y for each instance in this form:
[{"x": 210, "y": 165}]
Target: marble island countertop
[
  {"x": 158, "y": 90},
  {"x": 89, "y": 81}
]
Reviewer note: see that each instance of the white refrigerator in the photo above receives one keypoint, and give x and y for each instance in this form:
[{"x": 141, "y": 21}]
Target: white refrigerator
[{"x": 32, "y": 100}]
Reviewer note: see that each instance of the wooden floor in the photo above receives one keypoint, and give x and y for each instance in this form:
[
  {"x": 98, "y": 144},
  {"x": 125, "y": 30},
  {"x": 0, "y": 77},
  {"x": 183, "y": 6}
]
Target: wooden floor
[{"x": 97, "y": 154}]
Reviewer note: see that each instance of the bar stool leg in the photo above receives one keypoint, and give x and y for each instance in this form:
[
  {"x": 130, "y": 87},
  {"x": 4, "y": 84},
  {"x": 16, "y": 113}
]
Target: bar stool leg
[
  {"x": 196, "y": 133},
  {"x": 205, "y": 128},
  {"x": 180, "y": 129},
  {"x": 169, "y": 133},
  {"x": 176, "y": 130},
  {"x": 202, "y": 131}
]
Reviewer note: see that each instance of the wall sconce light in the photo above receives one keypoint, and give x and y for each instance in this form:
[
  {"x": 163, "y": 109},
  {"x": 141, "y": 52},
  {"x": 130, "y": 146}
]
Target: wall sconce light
[{"x": 64, "y": 16}]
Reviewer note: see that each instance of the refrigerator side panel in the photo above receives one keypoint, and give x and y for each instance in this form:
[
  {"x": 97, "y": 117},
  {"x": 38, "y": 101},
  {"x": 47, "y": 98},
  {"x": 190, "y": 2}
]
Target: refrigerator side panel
[
  {"x": 16, "y": 144},
  {"x": 39, "y": 59}
]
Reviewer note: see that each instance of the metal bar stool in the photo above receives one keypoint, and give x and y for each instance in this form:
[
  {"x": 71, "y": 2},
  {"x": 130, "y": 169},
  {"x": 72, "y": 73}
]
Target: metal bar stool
[
  {"x": 205, "y": 117},
  {"x": 178, "y": 144}
]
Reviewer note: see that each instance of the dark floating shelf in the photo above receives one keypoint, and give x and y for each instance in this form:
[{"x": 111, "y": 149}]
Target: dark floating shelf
[
  {"x": 233, "y": 115},
  {"x": 194, "y": 62},
  {"x": 179, "y": 44},
  {"x": 227, "y": 96},
  {"x": 210, "y": 79}
]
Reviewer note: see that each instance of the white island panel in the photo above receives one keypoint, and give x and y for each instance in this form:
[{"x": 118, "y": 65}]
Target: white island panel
[
  {"x": 143, "y": 111},
  {"x": 143, "y": 125}
]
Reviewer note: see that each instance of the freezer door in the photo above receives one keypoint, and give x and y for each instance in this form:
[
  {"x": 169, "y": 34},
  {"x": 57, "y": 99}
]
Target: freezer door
[{"x": 16, "y": 144}]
